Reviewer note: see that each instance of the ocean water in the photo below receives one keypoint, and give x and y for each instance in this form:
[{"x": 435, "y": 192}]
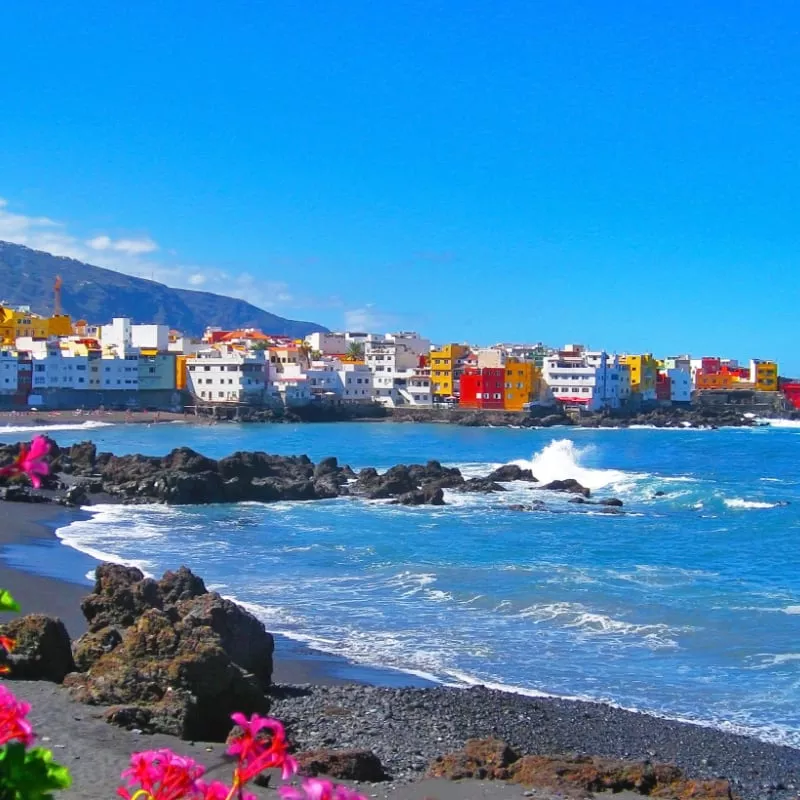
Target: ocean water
[{"x": 688, "y": 605}]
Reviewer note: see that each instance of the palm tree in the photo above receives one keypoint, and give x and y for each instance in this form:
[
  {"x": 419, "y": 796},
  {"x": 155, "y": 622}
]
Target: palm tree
[
  {"x": 305, "y": 351},
  {"x": 355, "y": 351}
]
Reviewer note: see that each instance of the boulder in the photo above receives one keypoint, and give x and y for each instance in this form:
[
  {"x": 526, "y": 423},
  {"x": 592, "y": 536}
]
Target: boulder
[
  {"x": 178, "y": 671},
  {"x": 121, "y": 594},
  {"x": 76, "y": 495},
  {"x": 93, "y": 645},
  {"x": 342, "y": 765},
  {"x": 570, "y": 485},
  {"x": 81, "y": 458},
  {"x": 42, "y": 652},
  {"x": 427, "y": 496},
  {"x": 510, "y": 472},
  {"x": 481, "y": 759},
  {"x": 243, "y": 637},
  {"x": 480, "y": 485},
  {"x": 328, "y": 466},
  {"x": 182, "y": 584},
  {"x": 614, "y": 502}
]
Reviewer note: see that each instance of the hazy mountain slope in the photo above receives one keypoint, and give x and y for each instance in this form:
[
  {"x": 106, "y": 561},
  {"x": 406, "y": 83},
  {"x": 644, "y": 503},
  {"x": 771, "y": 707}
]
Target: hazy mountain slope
[{"x": 97, "y": 294}]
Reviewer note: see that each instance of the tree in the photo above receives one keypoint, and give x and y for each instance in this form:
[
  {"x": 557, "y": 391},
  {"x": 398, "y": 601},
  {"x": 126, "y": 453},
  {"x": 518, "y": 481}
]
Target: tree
[{"x": 355, "y": 351}]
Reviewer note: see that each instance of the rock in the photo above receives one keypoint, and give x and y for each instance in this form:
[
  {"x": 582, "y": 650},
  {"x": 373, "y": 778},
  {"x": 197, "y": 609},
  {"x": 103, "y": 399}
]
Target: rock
[
  {"x": 121, "y": 594},
  {"x": 569, "y": 485},
  {"x": 327, "y": 466},
  {"x": 82, "y": 457},
  {"x": 611, "y": 501},
  {"x": 481, "y": 759},
  {"x": 343, "y": 765},
  {"x": 76, "y": 495},
  {"x": 659, "y": 493},
  {"x": 182, "y": 584},
  {"x": 431, "y": 496},
  {"x": 578, "y": 500},
  {"x": 393, "y": 483},
  {"x": 243, "y": 637},
  {"x": 585, "y": 775},
  {"x": 94, "y": 644},
  {"x": 179, "y": 671},
  {"x": 43, "y": 651},
  {"x": 535, "y": 506},
  {"x": 21, "y": 494},
  {"x": 480, "y": 485},
  {"x": 510, "y": 472}
]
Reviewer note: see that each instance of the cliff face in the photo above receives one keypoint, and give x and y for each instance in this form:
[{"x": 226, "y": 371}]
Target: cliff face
[{"x": 97, "y": 294}]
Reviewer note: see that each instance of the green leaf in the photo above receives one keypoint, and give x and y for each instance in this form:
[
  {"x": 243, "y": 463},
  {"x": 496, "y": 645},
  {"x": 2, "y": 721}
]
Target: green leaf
[
  {"x": 30, "y": 774},
  {"x": 7, "y": 602}
]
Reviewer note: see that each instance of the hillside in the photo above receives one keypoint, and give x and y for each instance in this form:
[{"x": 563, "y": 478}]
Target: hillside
[{"x": 97, "y": 294}]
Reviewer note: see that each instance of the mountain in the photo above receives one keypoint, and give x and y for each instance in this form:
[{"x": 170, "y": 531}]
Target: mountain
[{"x": 97, "y": 294}]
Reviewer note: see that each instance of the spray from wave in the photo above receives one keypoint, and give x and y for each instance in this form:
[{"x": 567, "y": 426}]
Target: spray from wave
[
  {"x": 64, "y": 426},
  {"x": 562, "y": 459},
  {"x": 739, "y": 503}
]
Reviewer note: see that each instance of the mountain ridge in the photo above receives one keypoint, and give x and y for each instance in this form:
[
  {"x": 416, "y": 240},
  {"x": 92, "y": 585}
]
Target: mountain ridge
[{"x": 97, "y": 294}]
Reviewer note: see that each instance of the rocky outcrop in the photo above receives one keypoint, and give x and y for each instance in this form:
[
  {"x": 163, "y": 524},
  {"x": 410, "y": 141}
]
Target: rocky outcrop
[
  {"x": 570, "y": 486},
  {"x": 576, "y": 777},
  {"x": 511, "y": 472},
  {"x": 42, "y": 651},
  {"x": 342, "y": 765},
  {"x": 483, "y": 759},
  {"x": 169, "y": 655}
]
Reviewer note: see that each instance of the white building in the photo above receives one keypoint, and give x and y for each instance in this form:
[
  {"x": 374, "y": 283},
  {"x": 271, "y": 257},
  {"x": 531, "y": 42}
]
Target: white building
[
  {"x": 591, "y": 380},
  {"x": 150, "y": 337},
  {"x": 490, "y": 357},
  {"x": 123, "y": 336},
  {"x": 335, "y": 343},
  {"x": 356, "y": 381},
  {"x": 9, "y": 371},
  {"x": 680, "y": 385},
  {"x": 113, "y": 371},
  {"x": 225, "y": 375}
]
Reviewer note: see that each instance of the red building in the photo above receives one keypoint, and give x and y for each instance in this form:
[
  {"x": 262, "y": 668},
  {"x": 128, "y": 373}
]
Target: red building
[
  {"x": 791, "y": 391},
  {"x": 663, "y": 388},
  {"x": 483, "y": 388}
]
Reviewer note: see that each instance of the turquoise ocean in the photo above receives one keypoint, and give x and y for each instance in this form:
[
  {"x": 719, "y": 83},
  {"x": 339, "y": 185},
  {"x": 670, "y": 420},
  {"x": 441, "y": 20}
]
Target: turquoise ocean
[{"x": 686, "y": 606}]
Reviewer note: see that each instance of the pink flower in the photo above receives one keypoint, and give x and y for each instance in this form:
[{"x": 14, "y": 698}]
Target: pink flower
[
  {"x": 14, "y": 727},
  {"x": 163, "y": 775},
  {"x": 219, "y": 791},
  {"x": 318, "y": 789},
  {"x": 30, "y": 461},
  {"x": 256, "y": 753}
]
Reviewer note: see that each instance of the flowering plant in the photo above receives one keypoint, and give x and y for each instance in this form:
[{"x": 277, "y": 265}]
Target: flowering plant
[
  {"x": 260, "y": 745},
  {"x": 26, "y": 773},
  {"x": 30, "y": 461}
]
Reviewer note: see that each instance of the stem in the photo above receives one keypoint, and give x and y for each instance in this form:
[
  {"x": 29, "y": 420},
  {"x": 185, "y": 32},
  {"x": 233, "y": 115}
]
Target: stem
[
  {"x": 142, "y": 793},
  {"x": 236, "y": 788}
]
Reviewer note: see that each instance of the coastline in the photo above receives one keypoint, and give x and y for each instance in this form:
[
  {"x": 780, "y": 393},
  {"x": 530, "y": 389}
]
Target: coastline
[
  {"x": 48, "y": 577},
  {"x": 406, "y": 726}
]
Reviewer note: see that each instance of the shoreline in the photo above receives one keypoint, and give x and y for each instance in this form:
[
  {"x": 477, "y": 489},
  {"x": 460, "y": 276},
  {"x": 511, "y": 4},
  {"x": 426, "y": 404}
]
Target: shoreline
[
  {"x": 28, "y": 539},
  {"x": 380, "y": 704}
]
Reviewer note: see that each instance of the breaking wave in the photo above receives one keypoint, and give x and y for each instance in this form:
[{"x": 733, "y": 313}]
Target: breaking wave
[
  {"x": 62, "y": 426},
  {"x": 738, "y": 502}
]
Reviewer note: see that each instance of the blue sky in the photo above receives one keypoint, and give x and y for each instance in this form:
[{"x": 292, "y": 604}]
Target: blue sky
[{"x": 619, "y": 173}]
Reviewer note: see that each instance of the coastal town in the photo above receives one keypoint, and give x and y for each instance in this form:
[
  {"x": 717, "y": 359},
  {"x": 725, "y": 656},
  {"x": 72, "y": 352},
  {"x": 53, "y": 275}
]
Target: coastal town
[{"x": 55, "y": 362}]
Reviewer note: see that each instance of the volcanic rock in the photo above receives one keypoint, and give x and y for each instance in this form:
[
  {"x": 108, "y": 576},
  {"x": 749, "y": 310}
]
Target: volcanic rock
[
  {"x": 481, "y": 759},
  {"x": 480, "y": 485},
  {"x": 569, "y": 485},
  {"x": 42, "y": 651},
  {"x": 510, "y": 472},
  {"x": 343, "y": 765}
]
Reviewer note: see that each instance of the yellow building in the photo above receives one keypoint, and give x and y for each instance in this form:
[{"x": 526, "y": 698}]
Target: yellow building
[
  {"x": 19, "y": 322},
  {"x": 445, "y": 369},
  {"x": 764, "y": 375},
  {"x": 644, "y": 374},
  {"x": 523, "y": 384}
]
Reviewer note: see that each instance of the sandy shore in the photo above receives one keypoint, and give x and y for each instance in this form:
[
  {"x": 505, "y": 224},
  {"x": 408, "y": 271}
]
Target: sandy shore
[{"x": 406, "y": 727}]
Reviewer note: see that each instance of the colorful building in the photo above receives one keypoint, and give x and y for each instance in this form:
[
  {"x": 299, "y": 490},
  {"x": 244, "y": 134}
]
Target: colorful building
[
  {"x": 446, "y": 370},
  {"x": 483, "y": 388},
  {"x": 644, "y": 374},
  {"x": 764, "y": 375},
  {"x": 523, "y": 381}
]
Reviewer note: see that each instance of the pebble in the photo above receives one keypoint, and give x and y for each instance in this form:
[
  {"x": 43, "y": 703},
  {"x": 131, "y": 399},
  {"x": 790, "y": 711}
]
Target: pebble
[{"x": 408, "y": 728}]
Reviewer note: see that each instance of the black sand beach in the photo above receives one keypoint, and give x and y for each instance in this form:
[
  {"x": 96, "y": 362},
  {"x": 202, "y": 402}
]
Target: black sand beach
[{"x": 406, "y": 727}]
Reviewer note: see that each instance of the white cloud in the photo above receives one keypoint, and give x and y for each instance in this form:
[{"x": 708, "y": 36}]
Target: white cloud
[
  {"x": 365, "y": 319},
  {"x": 131, "y": 256},
  {"x": 133, "y": 247}
]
